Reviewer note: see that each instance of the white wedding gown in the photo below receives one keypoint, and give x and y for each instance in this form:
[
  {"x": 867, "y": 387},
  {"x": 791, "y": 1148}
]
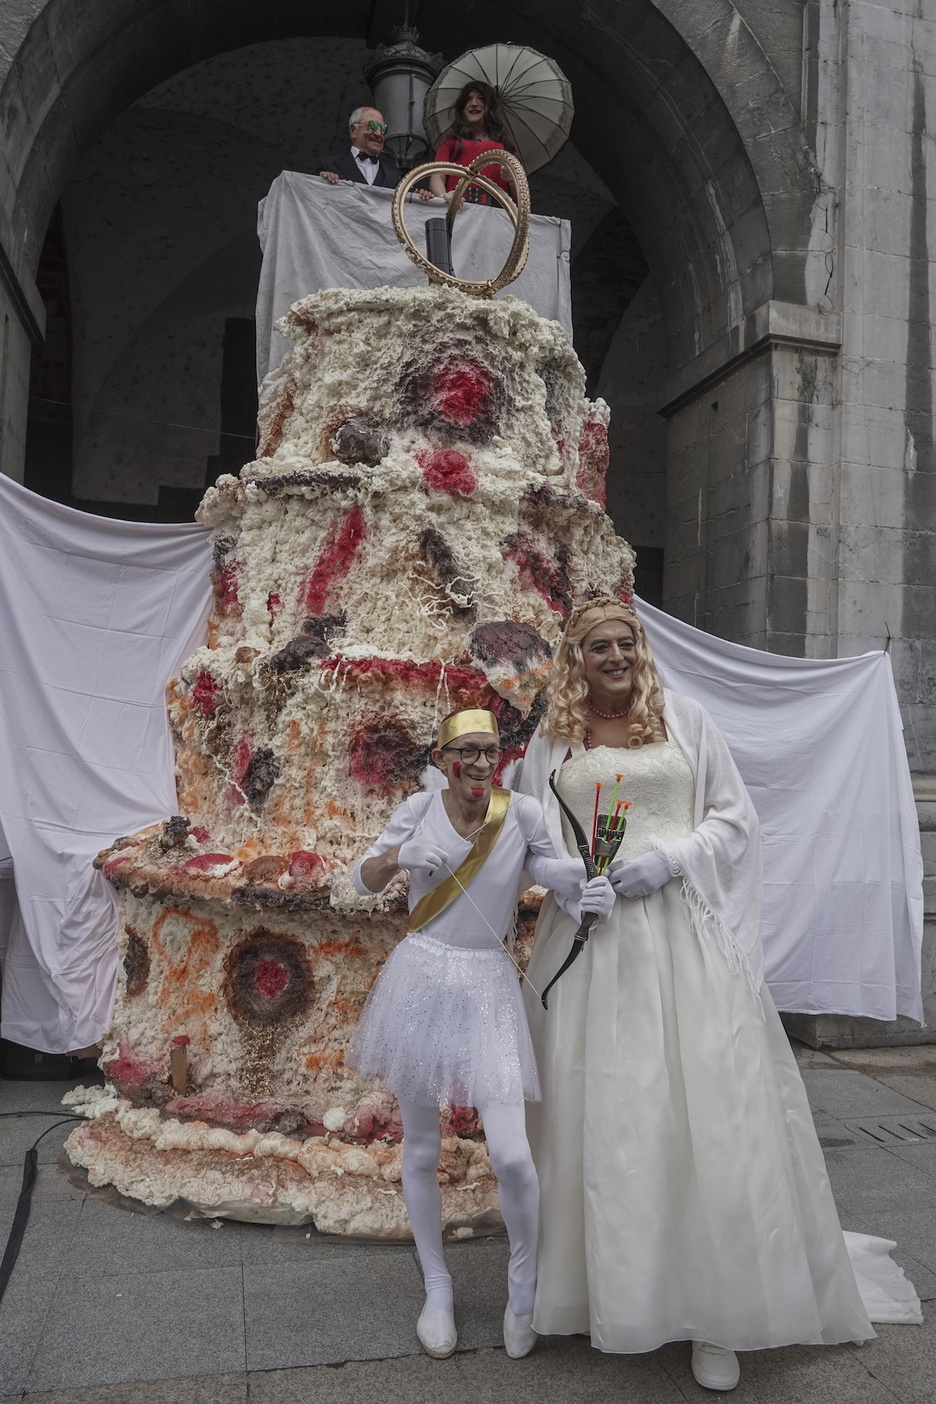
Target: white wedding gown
[{"x": 684, "y": 1192}]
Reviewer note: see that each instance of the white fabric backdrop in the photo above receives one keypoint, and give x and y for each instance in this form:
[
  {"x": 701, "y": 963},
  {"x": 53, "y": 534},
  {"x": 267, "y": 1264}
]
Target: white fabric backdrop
[
  {"x": 315, "y": 235},
  {"x": 820, "y": 746},
  {"x": 94, "y": 616}
]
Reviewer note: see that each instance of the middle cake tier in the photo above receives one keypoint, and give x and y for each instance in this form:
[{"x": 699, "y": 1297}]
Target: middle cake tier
[{"x": 352, "y": 610}]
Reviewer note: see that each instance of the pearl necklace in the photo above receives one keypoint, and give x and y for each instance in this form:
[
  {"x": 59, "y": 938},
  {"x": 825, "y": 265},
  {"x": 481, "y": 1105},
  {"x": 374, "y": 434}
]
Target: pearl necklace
[{"x": 608, "y": 716}]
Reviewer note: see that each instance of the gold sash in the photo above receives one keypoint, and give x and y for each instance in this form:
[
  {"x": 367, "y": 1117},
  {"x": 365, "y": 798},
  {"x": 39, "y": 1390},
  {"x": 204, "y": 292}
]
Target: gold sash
[{"x": 448, "y": 889}]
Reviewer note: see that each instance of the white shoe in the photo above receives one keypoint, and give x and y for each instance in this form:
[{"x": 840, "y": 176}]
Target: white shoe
[
  {"x": 714, "y": 1367},
  {"x": 519, "y": 1336},
  {"x": 437, "y": 1334}
]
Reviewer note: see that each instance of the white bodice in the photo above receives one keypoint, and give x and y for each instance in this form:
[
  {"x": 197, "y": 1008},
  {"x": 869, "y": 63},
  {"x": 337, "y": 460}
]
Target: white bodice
[{"x": 658, "y": 781}]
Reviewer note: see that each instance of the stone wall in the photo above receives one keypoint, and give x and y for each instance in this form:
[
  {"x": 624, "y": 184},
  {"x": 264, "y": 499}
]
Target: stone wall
[{"x": 751, "y": 487}]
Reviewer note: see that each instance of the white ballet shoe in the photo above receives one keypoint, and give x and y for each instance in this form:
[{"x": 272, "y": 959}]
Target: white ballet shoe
[
  {"x": 436, "y": 1332},
  {"x": 714, "y": 1367},
  {"x": 519, "y": 1336}
]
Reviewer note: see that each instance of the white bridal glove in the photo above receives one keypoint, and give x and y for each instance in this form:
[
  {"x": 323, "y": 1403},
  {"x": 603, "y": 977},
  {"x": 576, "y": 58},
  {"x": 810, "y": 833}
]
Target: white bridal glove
[
  {"x": 563, "y": 875},
  {"x": 422, "y": 853},
  {"x": 597, "y": 895},
  {"x": 642, "y": 875}
]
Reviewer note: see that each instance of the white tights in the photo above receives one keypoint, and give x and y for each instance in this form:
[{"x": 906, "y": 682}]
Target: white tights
[{"x": 518, "y": 1188}]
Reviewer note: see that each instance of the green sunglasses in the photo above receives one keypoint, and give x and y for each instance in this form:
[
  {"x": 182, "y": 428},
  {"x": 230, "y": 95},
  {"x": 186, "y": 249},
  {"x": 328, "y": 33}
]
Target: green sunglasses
[{"x": 373, "y": 126}]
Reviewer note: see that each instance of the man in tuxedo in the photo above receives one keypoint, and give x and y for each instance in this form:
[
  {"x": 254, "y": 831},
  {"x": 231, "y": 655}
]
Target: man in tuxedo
[{"x": 364, "y": 163}]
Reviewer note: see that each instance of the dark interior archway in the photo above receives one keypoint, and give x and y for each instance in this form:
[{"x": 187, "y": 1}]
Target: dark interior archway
[{"x": 716, "y": 213}]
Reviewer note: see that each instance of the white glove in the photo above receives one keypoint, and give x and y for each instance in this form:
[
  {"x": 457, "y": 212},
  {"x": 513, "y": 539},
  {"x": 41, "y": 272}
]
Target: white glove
[
  {"x": 564, "y": 875},
  {"x": 423, "y": 853},
  {"x": 597, "y": 895},
  {"x": 642, "y": 875}
]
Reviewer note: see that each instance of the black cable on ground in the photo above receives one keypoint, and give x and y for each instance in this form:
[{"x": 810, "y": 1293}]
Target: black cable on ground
[{"x": 24, "y": 1203}]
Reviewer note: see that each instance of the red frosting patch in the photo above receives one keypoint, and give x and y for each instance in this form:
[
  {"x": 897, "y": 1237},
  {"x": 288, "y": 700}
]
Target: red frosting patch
[
  {"x": 226, "y": 587},
  {"x": 205, "y": 693},
  {"x": 382, "y": 754},
  {"x": 457, "y": 677},
  {"x": 461, "y": 392},
  {"x": 336, "y": 559},
  {"x": 241, "y": 757},
  {"x": 274, "y": 605},
  {"x": 551, "y": 579},
  {"x": 304, "y": 864},
  {"x": 115, "y": 862},
  {"x": 270, "y": 977},
  {"x": 126, "y": 1068},
  {"x": 446, "y": 470},
  {"x": 200, "y": 834},
  {"x": 204, "y": 862}
]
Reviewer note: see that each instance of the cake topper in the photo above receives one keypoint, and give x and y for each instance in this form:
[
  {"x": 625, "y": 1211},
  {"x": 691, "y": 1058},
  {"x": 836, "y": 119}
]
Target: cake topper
[{"x": 519, "y": 212}]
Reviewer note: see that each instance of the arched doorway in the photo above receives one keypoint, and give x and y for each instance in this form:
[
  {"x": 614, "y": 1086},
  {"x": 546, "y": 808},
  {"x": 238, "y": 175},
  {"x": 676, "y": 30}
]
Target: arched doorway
[{"x": 694, "y": 193}]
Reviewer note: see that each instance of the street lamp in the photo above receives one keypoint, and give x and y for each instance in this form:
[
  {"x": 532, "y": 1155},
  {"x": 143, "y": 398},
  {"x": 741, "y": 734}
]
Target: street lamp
[{"x": 400, "y": 74}]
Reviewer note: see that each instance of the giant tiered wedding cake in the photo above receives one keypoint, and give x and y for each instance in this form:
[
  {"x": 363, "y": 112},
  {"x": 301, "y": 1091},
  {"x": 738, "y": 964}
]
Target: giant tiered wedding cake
[{"x": 425, "y": 508}]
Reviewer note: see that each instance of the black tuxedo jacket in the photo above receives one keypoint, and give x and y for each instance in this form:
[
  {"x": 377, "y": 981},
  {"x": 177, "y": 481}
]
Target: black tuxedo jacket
[{"x": 388, "y": 175}]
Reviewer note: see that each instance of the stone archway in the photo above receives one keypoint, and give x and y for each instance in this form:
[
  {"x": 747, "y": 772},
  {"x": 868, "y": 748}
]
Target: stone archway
[{"x": 681, "y": 115}]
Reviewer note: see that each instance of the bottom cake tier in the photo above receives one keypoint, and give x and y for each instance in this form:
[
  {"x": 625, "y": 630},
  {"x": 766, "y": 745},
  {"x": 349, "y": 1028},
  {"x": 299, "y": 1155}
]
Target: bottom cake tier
[{"x": 226, "y": 1084}]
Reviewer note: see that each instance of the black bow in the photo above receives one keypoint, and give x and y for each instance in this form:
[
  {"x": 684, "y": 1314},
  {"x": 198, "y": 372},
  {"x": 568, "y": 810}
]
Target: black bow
[
  {"x": 591, "y": 870},
  {"x": 366, "y": 156}
]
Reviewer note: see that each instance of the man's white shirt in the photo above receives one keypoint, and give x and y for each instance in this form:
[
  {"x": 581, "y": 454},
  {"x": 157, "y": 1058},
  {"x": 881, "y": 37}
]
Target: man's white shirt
[{"x": 367, "y": 168}]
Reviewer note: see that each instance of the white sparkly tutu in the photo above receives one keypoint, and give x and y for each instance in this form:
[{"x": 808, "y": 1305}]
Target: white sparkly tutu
[{"x": 446, "y": 1024}]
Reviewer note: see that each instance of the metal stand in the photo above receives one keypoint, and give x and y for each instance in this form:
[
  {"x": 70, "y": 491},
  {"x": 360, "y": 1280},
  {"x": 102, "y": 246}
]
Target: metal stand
[{"x": 439, "y": 244}]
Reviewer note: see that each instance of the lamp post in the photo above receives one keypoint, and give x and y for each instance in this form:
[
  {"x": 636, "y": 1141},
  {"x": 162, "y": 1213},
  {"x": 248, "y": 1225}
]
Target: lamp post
[{"x": 400, "y": 74}]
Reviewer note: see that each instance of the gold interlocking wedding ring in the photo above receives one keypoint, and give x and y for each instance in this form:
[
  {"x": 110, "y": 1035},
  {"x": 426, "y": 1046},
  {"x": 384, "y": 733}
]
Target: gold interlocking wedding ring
[{"x": 519, "y": 212}]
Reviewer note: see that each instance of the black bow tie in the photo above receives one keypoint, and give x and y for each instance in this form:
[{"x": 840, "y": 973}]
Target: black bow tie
[{"x": 363, "y": 156}]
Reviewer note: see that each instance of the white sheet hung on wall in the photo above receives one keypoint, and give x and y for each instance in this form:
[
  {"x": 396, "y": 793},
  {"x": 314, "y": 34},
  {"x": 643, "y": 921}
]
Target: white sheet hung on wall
[
  {"x": 95, "y": 616},
  {"x": 819, "y": 743}
]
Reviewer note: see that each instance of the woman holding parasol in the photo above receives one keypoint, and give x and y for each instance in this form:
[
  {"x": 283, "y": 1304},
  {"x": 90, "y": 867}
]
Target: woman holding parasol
[
  {"x": 504, "y": 97},
  {"x": 478, "y": 126},
  {"x": 684, "y": 1193}
]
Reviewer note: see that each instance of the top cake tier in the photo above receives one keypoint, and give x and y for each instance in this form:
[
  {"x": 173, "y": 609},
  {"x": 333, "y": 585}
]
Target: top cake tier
[{"x": 458, "y": 470}]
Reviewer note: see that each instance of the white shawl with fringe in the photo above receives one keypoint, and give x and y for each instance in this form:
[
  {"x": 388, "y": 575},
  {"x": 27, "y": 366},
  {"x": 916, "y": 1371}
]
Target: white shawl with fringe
[{"x": 720, "y": 861}]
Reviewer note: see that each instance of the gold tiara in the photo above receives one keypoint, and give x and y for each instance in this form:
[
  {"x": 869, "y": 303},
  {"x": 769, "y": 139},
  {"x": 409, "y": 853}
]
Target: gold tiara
[
  {"x": 605, "y": 602},
  {"x": 460, "y": 723}
]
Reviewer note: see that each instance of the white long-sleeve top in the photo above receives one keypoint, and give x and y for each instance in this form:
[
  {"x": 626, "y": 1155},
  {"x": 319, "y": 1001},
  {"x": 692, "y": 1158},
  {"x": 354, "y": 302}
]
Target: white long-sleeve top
[{"x": 483, "y": 914}]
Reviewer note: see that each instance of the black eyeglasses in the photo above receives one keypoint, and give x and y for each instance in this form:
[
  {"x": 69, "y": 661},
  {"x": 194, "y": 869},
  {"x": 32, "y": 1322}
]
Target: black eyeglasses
[
  {"x": 373, "y": 126},
  {"x": 469, "y": 754}
]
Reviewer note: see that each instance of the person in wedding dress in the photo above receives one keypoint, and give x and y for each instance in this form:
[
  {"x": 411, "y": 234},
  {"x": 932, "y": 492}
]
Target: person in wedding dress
[{"x": 684, "y": 1194}]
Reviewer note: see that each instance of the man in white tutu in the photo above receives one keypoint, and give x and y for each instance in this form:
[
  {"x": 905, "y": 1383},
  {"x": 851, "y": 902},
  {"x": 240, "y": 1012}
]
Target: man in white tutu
[{"x": 444, "y": 1022}]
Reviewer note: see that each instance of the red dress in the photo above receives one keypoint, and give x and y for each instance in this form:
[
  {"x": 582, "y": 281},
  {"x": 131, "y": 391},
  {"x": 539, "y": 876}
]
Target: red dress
[{"x": 469, "y": 150}]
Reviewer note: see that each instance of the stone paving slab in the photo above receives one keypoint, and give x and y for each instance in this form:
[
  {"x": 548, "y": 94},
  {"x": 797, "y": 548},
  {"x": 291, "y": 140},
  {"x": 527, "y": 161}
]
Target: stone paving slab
[
  {"x": 102, "y": 1298},
  {"x": 23, "y": 1316},
  {"x": 140, "y": 1326},
  {"x": 207, "y": 1389},
  {"x": 362, "y": 1308},
  {"x": 899, "y": 1367},
  {"x": 109, "y": 1240},
  {"x": 844, "y": 1095}
]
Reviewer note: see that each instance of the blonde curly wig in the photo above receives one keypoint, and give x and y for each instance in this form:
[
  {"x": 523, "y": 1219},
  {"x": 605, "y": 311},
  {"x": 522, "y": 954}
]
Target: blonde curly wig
[{"x": 567, "y": 717}]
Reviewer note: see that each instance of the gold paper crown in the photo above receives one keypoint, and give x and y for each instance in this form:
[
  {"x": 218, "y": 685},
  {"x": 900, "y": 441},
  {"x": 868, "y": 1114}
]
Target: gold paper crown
[{"x": 460, "y": 723}]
